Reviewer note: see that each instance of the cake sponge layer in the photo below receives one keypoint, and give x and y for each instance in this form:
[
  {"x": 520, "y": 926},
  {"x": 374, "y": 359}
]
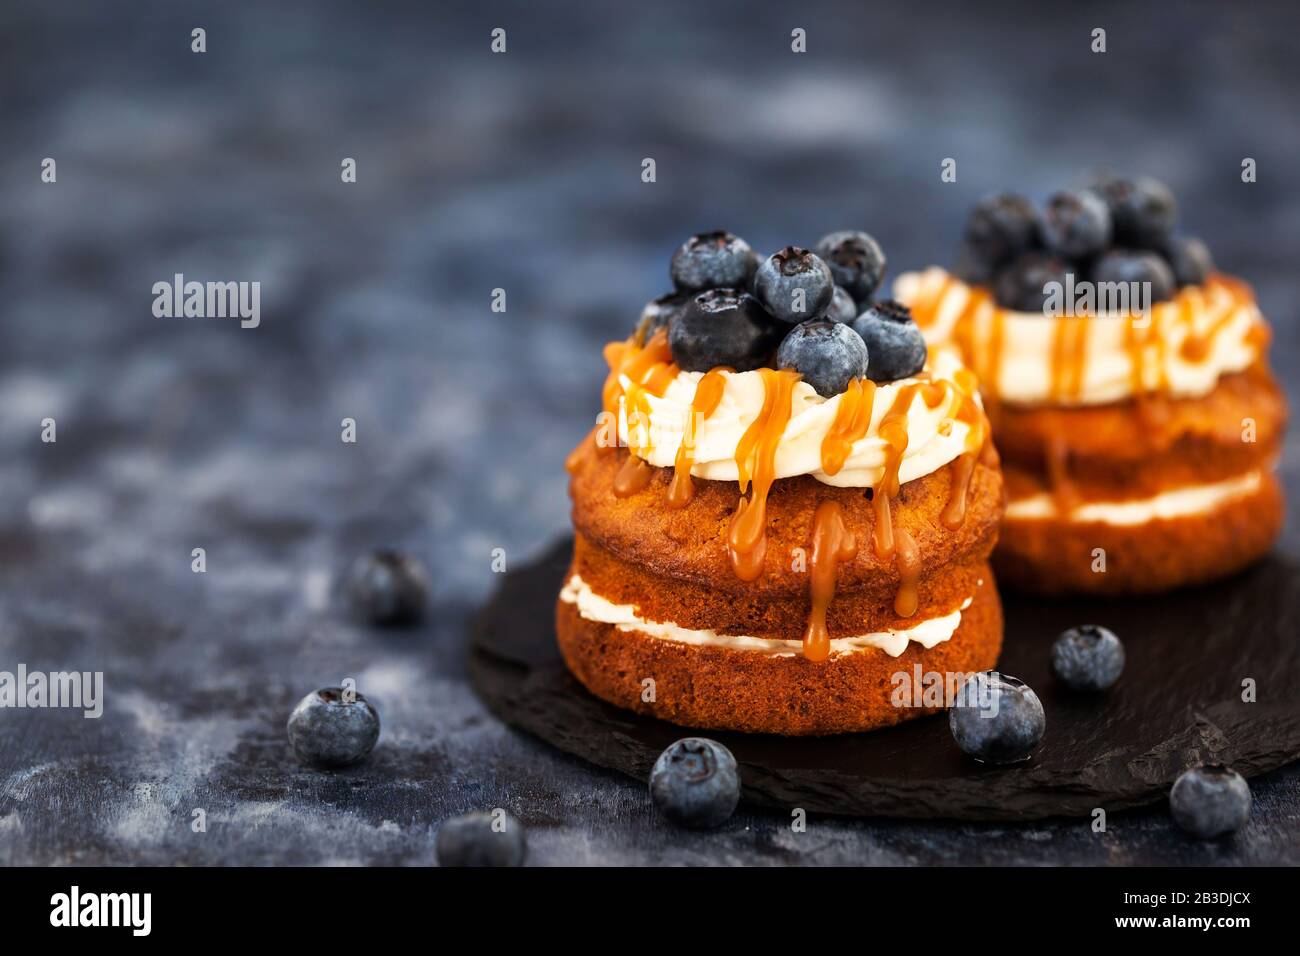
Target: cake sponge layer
[{"x": 723, "y": 688}]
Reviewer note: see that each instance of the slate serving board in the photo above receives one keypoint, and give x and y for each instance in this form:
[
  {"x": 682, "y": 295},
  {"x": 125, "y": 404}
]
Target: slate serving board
[{"x": 1179, "y": 703}]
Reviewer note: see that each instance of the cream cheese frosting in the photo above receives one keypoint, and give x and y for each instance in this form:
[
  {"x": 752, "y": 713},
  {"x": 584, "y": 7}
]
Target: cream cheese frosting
[
  {"x": 592, "y": 607},
  {"x": 935, "y": 436},
  {"x": 1167, "y": 505},
  {"x": 1024, "y": 366}
]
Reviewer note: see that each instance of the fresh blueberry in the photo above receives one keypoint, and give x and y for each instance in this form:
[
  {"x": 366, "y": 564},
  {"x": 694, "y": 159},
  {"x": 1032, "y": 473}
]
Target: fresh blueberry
[
  {"x": 1022, "y": 286},
  {"x": 388, "y": 587},
  {"x": 794, "y": 285},
  {"x": 842, "y": 307},
  {"x": 713, "y": 260},
  {"x": 722, "y": 327},
  {"x": 482, "y": 839},
  {"x": 657, "y": 314},
  {"x": 1076, "y": 224},
  {"x": 1210, "y": 802},
  {"x": 1190, "y": 259},
  {"x": 1142, "y": 210},
  {"x": 894, "y": 341},
  {"x": 1126, "y": 265},
  {"x": 331, "y": 728},
  {"x": 972, "y": 268},
  {"x": 996, "y": 718},
  {"x": 695, "y": 783},
  {"x": 827, "y": 354},
  {"x": 1000, "y": 228},
  {"x": 1087, "y": 658},
  {"x": 856, "y": 261}
]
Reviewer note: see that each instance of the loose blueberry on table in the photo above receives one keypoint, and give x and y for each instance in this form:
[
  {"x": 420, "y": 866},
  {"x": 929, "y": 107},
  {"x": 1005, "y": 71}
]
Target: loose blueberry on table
[
  {"x": 388, "y": 587},
  {"x": 695, "y": 783},
  {"x": 329, "y": 728},
  {"x": 1210, "y": 802},
  {"x": 997, "y": 719},
  {"x": 1088, "y": 658},
  {"x": 482, "y": 839}
]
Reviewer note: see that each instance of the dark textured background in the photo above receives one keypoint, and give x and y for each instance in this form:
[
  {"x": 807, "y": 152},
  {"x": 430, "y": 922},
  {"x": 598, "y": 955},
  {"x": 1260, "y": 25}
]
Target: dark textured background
[{"x": 478, "y": 171}]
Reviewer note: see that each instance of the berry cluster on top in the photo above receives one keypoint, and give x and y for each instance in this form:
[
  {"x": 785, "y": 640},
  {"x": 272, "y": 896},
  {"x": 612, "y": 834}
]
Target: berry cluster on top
[
  {"x": 1112, "y": 230},
  {"x": 811, "y": 312}
]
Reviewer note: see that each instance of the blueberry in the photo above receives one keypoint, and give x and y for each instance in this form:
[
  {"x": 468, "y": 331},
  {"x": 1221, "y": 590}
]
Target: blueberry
[
  {"x": 657, "y": 314},
  {"x": 894, "y": 341},
  {"x": 713, "y": 260},
  {"x": 482, "y": 839},
  {"x": 782, "y": 278},
  {"x": 1190, "y": 259},
  {"x": 996, "y": 718},
  {"x": 856, "y": 261},
  {"x": 329, "y": 730},
  {"x": 1022, "y": 285},
  {"x": 1076, "y": 224},
  {"x": 842, "y": 307},
  {"x": 1126, "y": 265},
  {"x": 722, "y": 327},
  {"x": 1142, "y": 210},
  {"x": 1000, "y": 228},
  {"x": 972, "y": 268},
  {"x": 827, "y": 354},
  {"x": 1210, "y": 802},
  {"x": 695, "y": 783},
  {"x": 1087, "y": 658},
  {"x": 388, "y": 587}
]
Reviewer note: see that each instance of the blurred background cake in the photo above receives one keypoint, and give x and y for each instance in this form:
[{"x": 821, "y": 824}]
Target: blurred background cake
[{"x": 1128, "y": 387}]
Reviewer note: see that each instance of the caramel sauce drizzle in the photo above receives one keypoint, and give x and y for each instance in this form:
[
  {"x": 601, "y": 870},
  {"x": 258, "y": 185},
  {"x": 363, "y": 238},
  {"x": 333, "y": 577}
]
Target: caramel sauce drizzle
[
  {"x": 756, "y": 468},
  {"x": 708, "y": 394},
  {"x": 633, "y": 476},
  {"x": 832, "y": 543},
  {"x": 852, "y": 419},
  {"x": 650, "y": 370},
  {"x": 1147, "y": 344},
  {"x": 573, "y": 463},
  {"x": 908, "y": 562},
  {"x": 954, "y": 512}
]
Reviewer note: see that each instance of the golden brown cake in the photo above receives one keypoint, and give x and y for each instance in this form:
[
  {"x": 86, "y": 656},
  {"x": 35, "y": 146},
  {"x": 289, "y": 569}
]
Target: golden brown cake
[
  {"x": 753, "y": 556},
  {"x": 1138, "y": 450}
]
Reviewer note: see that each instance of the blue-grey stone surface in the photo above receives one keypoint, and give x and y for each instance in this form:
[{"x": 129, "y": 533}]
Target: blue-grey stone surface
[{"x": 477, "y": 171}]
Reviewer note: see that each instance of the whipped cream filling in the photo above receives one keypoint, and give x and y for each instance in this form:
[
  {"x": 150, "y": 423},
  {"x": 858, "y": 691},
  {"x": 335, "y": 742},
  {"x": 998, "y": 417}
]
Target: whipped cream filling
[
  {"x": 935, "y": 436},
  {"x": 1174, "y": 503},
  {"x": 1024, "y": 373},
  {"x": 592, "y": 607}
]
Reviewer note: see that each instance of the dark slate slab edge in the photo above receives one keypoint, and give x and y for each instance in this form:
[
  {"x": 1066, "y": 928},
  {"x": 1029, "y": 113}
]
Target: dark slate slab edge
[{"x": 1114, "y": 753}]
